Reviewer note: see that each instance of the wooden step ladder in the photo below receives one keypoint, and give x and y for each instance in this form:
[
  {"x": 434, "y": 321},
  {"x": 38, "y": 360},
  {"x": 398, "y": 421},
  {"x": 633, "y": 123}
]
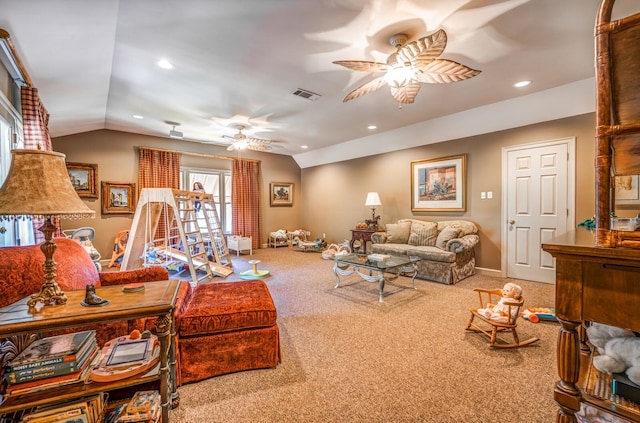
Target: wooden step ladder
[{"x": 166, "y": 227}]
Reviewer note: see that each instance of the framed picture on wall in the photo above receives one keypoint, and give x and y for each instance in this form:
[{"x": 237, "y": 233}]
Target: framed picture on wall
[
  {"x": 439, "y": 184},
  {"x": 281, "y": 194},
  {"x": 627, "y": 190},
  {"x": 84, "y": 178},
  {"x": 118, "y": 198}
]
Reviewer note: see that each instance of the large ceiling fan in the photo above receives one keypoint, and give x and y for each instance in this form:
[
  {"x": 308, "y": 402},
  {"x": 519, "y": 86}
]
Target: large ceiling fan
[
  {"x": 413, "y": 63},
  {"x": 240, "y": 141}
]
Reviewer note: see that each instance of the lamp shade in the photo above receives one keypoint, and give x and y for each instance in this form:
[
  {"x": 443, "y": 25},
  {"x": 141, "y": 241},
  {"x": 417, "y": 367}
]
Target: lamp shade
[
  {"x": 373, "y": 199},
  {"x": 38, "y": 184}
]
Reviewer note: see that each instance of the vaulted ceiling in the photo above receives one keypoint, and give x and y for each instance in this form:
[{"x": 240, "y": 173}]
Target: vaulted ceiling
[{"x": 239, "y": 62}]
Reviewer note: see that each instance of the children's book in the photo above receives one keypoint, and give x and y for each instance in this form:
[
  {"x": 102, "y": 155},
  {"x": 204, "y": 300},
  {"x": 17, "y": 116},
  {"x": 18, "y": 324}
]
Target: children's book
[{"x": 63, "y": 347}]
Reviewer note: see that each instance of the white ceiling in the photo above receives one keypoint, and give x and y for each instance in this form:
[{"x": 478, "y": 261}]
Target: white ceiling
[{"x": 238, "y": 62}]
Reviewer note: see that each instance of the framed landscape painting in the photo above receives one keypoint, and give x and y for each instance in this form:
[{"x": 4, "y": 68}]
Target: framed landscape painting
[
  {"x": 84, "y": 178},
  {"x": 118, "y": 198},
  {"x": 439, "y": 184},
  {"x": 281, "y": 194}
]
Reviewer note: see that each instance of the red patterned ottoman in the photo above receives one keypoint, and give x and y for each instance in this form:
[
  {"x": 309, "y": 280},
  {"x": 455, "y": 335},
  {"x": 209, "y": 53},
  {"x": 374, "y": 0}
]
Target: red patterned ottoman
[{"x": 228, "y": 327}]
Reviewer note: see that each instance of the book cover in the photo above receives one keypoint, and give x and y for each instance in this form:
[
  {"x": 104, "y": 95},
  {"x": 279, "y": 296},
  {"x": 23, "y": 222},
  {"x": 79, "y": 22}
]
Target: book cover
[
  {"x": 143, "y": 401},
  {"x": 60, "y": 362},
  {"x": 66, "y": 346},
  {"x": 42, "y": 384},
  {"x": 55, "y": 369}
]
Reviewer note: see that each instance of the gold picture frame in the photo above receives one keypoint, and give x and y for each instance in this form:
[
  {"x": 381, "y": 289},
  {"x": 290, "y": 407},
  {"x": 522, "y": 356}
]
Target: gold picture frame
[
  {"x": 118, "y": 197},
  {"x": 281, "y": 194},
  {"x": 439, "y": 184},
  {"x": 84, "y": 178}
]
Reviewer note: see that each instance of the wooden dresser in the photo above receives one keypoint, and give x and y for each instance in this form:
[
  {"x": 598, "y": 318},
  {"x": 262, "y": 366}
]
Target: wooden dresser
[{"x": 593, "y": 284}]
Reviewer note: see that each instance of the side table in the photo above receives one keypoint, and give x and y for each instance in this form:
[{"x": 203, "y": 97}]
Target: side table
[
  {"x": 240, "y": 243},
  {"x": 362, "y": 235}
]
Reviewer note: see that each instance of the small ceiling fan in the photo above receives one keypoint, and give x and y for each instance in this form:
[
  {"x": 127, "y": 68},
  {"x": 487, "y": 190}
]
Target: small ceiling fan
[
  {"x": 413, "y": 63},
  {"x": 240, "y": 141}
]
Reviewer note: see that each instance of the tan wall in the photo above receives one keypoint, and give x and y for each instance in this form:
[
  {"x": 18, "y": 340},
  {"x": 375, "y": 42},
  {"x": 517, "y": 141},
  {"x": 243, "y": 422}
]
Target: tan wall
[
  {"x": 333, "y": 195},
  {"x": 116, "y": 155}
]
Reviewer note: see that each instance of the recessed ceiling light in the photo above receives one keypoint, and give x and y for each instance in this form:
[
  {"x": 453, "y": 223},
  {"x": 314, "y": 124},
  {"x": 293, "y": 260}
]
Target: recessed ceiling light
[
  {"x": 304, "y": 146},
  {"x": 521, "y": 84},
  {"x": 165, "y": 64},
  {"x": 371, "y": 127},
  {"x": 138, "y": 116}
]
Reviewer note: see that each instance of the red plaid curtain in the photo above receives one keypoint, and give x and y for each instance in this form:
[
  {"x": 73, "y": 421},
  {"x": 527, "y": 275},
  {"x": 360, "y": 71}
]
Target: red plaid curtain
[
  {"x": 35, "y": 127},
  {"x": 158, "y": 169},
  {"x": 245, "y": 200}
]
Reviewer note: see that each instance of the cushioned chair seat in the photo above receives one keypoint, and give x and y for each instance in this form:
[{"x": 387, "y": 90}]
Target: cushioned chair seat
[{"x": 233, "y": 325}]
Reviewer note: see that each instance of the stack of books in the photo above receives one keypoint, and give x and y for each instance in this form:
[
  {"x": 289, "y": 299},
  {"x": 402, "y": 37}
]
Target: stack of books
[
  {"x": 83, "y": 410},
  {"x": 52, "y": 361},
  {"x": 144, "y": 407}
]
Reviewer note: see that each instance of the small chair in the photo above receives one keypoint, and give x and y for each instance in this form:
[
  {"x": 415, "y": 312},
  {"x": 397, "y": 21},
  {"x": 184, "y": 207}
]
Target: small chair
[
  {"x": 119, "y": 247},
  {"x": 491, "y": 327},
  {"x": 85, "y": 237}
]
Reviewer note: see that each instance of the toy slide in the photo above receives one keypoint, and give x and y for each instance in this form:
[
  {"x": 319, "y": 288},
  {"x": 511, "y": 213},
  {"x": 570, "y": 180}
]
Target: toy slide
[{"x": 535, "y": 314}]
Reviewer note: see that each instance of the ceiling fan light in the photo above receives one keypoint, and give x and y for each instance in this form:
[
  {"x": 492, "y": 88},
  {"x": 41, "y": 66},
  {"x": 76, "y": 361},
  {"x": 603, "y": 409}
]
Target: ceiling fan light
[
  {"x": 400, "y": 75},
  {"x": 241, "y": 144}
]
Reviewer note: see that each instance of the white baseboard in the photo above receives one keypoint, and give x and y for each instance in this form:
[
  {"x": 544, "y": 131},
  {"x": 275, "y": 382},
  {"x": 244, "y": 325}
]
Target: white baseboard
[{"x": 489, "y": 272}]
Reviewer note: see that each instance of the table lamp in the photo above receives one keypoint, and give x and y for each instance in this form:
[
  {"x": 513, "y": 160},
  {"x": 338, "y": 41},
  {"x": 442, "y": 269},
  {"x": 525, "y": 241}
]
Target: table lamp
[
  {"x": 373, "y": 199},
  {"x": 38, "y": 184}
]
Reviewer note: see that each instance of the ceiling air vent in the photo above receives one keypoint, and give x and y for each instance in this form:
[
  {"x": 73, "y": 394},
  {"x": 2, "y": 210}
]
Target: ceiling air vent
[{"x": 306, "y": 94}]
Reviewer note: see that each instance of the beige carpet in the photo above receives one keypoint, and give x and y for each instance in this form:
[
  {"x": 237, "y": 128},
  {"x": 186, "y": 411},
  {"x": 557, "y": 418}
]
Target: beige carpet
[{"x": 348, "y": 358}]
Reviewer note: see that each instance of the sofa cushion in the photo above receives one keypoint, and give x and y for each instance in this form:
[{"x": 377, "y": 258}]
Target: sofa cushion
[
  {"x": 446, "y": 234},
  {"x": 466, "y": 227},
  {"x": 227, "y": 306},
  {"x": 393, "y": 249},
  {"x": 423, "y": 233},
  {"x": 398, "y": 233},
  {"x": 432, "y": 254}
]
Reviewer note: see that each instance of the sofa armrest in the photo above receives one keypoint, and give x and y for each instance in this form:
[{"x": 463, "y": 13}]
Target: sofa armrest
[
  {"x": 458, "y": 245},
  {"x": 379, "y": 237},
  {"x": 123, "y": 277}
]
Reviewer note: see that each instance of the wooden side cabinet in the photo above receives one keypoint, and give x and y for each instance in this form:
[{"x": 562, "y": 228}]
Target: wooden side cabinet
[
  {"x": 593, "y": 284},
  {"x": 158, "y": 299},
  {"x": 362, "y": 235}
]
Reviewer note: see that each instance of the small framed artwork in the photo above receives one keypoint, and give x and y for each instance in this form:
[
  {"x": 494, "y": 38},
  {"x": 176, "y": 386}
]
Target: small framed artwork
[
  {"x": 281, "y": 194},
  {"x": 118, "y": 198},
  {"x": 84, "y": 178},
  {"x": 439, "y": 184},
  {"x": 627, "y": 190}
]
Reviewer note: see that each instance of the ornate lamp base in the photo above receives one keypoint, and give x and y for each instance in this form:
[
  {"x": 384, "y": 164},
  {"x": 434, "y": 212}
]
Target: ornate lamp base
[{"x": 50, "y": 292}]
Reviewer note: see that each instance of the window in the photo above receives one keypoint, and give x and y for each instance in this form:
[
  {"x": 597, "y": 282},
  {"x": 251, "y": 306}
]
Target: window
[{"x": 216, "y": 182}]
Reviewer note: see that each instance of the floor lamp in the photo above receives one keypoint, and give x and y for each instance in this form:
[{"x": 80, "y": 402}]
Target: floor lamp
[{"x": 38, "y": 184}]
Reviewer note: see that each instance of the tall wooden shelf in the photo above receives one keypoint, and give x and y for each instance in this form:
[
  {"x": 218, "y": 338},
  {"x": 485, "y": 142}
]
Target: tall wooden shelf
[
  {"x": 158, "y": 299},
  {"x": 598, "y": 273}
]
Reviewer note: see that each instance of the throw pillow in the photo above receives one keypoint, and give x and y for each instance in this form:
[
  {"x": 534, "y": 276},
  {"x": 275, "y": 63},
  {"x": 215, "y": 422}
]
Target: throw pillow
[
  {"x": 423, "y": 234},
  {"x": 398, "y": 233},
  {"x": 445, "y": 235}
]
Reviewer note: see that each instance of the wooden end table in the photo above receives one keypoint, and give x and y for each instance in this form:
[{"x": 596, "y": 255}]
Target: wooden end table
[{"x": 362, "y": 235}]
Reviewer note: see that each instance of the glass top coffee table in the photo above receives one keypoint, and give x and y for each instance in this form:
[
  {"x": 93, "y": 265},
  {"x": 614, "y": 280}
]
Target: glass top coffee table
[{"x": 382, "y": 270}]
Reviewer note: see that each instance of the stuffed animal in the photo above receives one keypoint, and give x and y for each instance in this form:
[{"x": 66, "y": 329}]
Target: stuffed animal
[{"x": 619, "y": 353}]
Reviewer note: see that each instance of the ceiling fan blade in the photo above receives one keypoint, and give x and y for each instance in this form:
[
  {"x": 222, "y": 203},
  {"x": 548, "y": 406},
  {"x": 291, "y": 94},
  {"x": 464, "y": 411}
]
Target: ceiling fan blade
[
  {"x": 259, "y": 147},
  {"x": 367, "y": 88},
  {"x": 443, "y": 71},
  {"x": 231, "y": 147},
  {"x": 258, "y": 141},
  {"x": 406, "y": 94},
  {"x": 363, "y": 66},
  {"x": 424, "y": 50}
]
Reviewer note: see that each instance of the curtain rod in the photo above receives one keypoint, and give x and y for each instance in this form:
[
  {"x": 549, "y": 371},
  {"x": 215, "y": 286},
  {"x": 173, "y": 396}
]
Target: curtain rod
[
  {"x": 14, "y": 63},
  {"x": 190, "y": 153}
]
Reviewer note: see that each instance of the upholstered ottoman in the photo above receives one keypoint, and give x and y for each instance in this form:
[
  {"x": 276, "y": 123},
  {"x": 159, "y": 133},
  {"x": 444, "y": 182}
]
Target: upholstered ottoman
[{"x": 228, "y": 327}]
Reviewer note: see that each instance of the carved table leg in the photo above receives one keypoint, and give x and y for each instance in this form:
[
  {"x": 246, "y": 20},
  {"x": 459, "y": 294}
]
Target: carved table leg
[{"x": 566, "y": 392}]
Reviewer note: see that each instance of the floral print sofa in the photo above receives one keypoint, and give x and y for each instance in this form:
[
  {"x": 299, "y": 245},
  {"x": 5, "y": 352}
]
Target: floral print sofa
[{"x": 446, "y": 247}]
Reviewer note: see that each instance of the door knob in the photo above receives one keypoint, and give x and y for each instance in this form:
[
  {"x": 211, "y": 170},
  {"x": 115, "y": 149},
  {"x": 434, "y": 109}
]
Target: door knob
[{"x": 512, "y": 222}]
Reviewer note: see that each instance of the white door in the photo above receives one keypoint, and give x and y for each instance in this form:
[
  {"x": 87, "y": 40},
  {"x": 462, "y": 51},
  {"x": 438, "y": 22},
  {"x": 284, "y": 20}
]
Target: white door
[{"x": 539, "y": 204}]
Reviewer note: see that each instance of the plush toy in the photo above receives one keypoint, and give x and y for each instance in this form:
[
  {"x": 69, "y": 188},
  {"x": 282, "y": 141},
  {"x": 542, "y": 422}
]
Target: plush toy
[
  {"x": 500, "y": 312},
  {"x": 619, "y": 350}
]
